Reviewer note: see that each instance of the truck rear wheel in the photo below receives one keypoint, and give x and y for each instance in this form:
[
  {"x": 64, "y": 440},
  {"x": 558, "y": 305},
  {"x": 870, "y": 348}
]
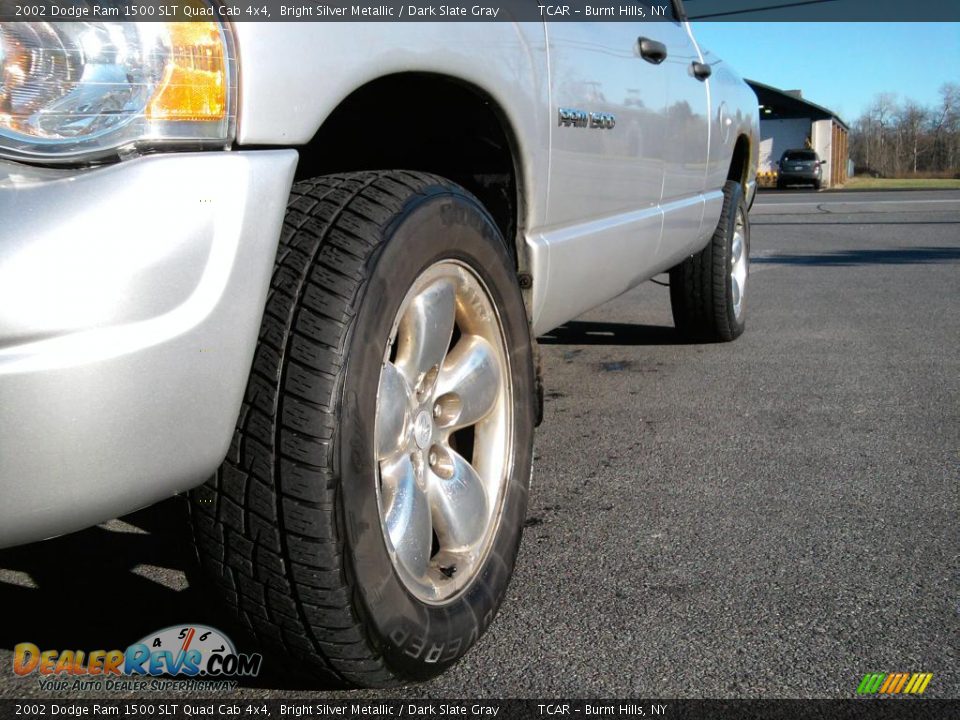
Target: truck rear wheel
[
  {"x": 708, "y": 290},
  {"x": 368, "y": 515}
]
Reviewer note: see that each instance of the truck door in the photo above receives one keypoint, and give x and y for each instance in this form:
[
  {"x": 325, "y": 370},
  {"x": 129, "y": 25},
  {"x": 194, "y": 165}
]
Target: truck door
[
  {"x": 595, "y": 172},
  {"x": 608, "y": 96},
  {"x": 687, "y": 144}
]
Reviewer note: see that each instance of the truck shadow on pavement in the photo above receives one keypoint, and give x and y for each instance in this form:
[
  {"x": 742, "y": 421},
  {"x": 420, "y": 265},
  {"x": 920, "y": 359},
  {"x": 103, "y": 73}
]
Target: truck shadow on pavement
[
  {"x": 109, "y": 586},
  {"x": 847, "y": 258},
  {"x": 88, "y": 590},
  {"x": 580, "y": 332}
]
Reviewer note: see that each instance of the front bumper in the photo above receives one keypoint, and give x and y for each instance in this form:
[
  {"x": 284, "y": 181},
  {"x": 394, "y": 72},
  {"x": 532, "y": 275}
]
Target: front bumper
[{"x": 130, "y": 302}]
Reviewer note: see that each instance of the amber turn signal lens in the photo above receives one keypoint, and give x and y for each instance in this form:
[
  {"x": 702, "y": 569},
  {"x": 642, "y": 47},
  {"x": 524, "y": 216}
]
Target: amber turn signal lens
[{"x": 194, "y": 84}]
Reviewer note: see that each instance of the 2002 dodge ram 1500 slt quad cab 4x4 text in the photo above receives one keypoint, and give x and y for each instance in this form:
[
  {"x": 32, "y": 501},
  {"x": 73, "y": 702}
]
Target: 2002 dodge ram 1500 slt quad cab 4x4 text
[{"x": 298, "y": 270}]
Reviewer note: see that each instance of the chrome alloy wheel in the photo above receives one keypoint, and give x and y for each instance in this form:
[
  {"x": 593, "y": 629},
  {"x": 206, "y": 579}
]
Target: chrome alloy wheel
[
  {"x": 443, "y": 432},
  {"x": 739, "y": 264}
]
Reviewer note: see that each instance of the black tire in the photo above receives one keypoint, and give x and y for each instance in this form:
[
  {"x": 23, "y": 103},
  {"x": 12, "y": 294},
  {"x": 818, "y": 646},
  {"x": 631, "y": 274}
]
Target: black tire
[
  {"x": 289, "y": 528},
  {"x": 817, "y": 184},
  {"x": 701, "y": 288},
  {"x": 781, "y": 185}
]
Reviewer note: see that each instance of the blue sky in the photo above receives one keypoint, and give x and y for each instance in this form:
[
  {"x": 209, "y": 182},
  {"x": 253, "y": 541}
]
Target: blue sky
[{"x": 841, "y": 66}]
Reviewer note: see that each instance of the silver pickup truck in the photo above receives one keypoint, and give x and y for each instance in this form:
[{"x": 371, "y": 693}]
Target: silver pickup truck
[{"x": 299, "y": 269}]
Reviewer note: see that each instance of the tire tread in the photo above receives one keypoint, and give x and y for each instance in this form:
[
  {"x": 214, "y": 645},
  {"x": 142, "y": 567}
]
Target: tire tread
[
  {"x": 266, "y": 526},
  {"x": 698, "y": 285}
]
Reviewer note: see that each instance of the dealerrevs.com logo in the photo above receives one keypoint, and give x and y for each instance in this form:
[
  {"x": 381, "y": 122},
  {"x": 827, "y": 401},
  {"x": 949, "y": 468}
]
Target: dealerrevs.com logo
[{"x": 202, "y": 655}]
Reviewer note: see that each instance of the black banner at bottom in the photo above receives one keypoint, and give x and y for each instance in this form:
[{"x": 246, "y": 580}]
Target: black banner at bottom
[{"x": 885, "y": 709}]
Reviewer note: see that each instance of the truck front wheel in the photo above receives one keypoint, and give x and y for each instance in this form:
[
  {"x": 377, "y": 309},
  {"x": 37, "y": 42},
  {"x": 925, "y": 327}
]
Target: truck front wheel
[
  {"x": 368, "y": 515},
  {"x": 708, "y": 290}
]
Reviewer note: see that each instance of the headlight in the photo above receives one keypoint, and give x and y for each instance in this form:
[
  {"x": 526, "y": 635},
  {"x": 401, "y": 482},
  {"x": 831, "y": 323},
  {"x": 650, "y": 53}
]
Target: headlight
[{"x": 78, "y": 89}]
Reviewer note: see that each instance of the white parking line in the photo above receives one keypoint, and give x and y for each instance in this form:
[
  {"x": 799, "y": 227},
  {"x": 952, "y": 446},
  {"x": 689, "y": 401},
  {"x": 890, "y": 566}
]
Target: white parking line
[{"x": 853, "y": 202}]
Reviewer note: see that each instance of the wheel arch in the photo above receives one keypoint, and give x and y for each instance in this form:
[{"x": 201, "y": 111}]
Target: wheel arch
[
  {"x": 458, "y": 131},
  {"x": 740, "y": 161}
]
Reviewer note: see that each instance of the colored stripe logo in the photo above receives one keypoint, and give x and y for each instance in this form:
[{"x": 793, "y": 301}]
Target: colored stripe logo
[{"x": 894, "y": 683}]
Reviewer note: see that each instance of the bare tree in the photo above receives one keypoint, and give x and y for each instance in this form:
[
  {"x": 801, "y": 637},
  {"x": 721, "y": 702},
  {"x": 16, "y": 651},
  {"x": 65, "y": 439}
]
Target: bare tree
[
  {"x": 893, "y": 138},
  {"x": 911, "y": 120}
]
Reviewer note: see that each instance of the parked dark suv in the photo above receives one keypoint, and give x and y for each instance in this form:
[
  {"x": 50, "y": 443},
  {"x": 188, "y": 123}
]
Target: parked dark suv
[{"x": 800, "y": 167}]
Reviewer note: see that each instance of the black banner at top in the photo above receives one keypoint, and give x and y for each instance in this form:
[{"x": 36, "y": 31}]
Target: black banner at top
[
  {"x": 549, "y": 709},
  {"x": 481, "y": 10}
]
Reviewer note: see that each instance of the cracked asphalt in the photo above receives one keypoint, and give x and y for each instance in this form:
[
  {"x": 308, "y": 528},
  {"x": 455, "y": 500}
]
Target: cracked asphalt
[{"x": 769, "y": 518}]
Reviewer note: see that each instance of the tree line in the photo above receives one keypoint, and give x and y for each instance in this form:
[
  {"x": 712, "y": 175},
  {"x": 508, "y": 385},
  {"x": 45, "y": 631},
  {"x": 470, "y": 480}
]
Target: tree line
[{"x": 894, "y": 139}]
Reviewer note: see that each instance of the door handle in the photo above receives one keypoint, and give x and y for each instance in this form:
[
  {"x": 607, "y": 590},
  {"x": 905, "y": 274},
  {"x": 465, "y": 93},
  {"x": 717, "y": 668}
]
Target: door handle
[
  {"x": 701, "y": 71},
  {"x": 651, "y": 50}
]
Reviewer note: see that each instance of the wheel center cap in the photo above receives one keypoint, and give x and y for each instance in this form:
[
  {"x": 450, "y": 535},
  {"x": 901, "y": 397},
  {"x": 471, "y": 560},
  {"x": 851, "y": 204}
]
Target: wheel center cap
[{"x": 423, "y": 429}]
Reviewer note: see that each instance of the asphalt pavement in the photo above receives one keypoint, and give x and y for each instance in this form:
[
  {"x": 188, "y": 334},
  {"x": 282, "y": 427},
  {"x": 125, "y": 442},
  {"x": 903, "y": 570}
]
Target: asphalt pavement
[{"x": 774, "y": 517}]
